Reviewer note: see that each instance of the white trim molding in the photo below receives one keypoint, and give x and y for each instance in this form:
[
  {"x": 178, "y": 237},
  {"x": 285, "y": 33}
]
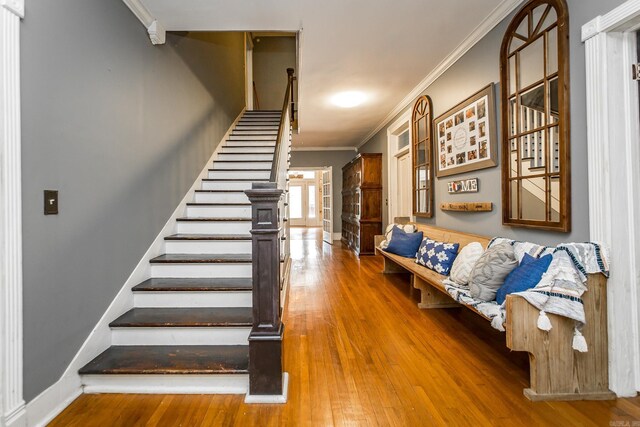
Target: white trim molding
[
  {"x": 12, "y": 404},
  {"x": 489, "y": 23},
  {"x": 157, "y": 33},
  {"x": 393, "y": 132},
  {"x": 614, "y": 205}
]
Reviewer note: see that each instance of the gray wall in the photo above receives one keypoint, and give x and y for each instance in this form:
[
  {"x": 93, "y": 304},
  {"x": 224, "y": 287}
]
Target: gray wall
[
  {"x": 271, "y": 58},
  {"x": 336, "y": 159},
  {"x": 476, "y": 69},
  {"x": 122, "y": 129}
]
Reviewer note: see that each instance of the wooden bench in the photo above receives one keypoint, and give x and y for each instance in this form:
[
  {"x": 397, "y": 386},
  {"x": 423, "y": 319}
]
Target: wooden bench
[{"x": 557, "y": 372}]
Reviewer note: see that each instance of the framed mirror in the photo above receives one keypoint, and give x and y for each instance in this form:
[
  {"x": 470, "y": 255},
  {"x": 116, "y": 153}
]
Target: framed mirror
[
  {"x": 534, "y": 75},
  {"x": 422, "y": 158}
]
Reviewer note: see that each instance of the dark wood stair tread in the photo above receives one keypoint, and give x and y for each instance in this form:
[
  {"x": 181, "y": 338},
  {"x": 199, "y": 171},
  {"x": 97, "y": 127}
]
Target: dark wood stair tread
[
  {"x": 220, "y": 191},
  {"x": 194, "y": 285},
  {"x": 209, "y": 237},
  {"x": 189, "y": 317},
  {"x": 196, "y": 204},
  {"x": 233, "y": 180},
  {"x": 239, "y": 170},
  {"x": 165, "y": 360},
  {"x": 201, "y": 258},
  {"x": 213, "y": 219},
  {"x": 243, "y": 161}
]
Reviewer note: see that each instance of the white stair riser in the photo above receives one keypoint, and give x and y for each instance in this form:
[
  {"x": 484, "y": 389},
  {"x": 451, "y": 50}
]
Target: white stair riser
[
  {"x": 218, "y": 211},
  {"x": 167, "y": 384},
  {"x": 256, "y": 127},
  {"x": 242, "y": 165},
  {"x": 244, "y": 149},
  {"x": 180, "y": 336},
  {"x": 227, "y": 185},
  {"x": 271, "y": 138},
  {"x": 195, "y": 271},
  {"x": 252, "y": 144},
  {"x": 214, "y": 227},
  {"x": 222, "y": 174},
  {"x": 192, "y": 299},
  {"x": 254, "y": 132},
  {"x": 235, "y": 197},
  {"x": 246, "y": 157},
  {"x": 208, "y": 247}
]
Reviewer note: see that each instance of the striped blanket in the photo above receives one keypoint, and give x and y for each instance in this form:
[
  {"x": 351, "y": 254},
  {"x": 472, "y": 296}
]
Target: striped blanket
[{"x": 561, "y": 288}]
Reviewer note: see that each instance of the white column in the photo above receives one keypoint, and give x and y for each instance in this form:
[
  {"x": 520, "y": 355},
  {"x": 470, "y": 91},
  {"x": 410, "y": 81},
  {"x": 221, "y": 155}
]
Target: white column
[
  {"x": 611, "y": 215},
  {"x": 13, "y": 406}
]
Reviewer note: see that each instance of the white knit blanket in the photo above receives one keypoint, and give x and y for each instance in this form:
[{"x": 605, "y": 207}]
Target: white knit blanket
[{"x": 561, "y": 288}]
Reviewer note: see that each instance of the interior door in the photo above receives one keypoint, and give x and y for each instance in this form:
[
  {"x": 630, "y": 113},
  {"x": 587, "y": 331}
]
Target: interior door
[
  {"x": 404, "y": 186},
  {"x": 297, "y": 204},
  {"x": 327, "y": 206}
]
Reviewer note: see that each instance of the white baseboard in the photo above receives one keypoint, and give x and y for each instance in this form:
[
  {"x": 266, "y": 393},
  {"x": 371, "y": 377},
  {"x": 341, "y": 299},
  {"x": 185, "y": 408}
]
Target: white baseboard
[
  {"x": 15, "y": 418},
  {"x": 337, "y": 236},
  {"x": 167, "y": 384},
  {"x": 278, "y": 398},
  {"x": 53, "y": 400}
]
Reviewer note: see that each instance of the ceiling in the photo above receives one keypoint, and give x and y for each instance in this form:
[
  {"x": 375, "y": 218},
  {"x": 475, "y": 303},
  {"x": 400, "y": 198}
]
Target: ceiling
[{"x": 383, "y": 48}]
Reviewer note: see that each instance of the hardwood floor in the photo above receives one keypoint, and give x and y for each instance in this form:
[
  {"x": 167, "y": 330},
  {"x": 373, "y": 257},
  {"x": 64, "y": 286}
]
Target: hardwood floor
[{"x": 360, "y": 353}]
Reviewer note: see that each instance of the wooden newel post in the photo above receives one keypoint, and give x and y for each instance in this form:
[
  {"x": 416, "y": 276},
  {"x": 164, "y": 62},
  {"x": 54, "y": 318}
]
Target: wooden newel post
[{"x": 265, "y": 339}]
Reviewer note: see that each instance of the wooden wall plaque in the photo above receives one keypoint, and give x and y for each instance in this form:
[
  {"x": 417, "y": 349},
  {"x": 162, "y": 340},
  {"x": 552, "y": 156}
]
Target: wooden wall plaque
[{"x": 467, "y": 207}]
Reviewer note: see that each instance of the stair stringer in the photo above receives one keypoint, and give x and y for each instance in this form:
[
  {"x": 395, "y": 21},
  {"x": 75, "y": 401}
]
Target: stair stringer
[{"x": 59, "y": 395}]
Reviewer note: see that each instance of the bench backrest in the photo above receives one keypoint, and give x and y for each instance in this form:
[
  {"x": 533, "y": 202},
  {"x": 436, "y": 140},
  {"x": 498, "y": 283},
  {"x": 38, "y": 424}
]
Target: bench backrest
[{"x": 451, "y": 236}]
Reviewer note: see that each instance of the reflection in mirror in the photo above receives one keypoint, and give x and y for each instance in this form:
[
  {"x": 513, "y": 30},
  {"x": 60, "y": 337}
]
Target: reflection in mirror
[
  {"x": 532, "y": 63},
  {"x": 514, "y": 199},
  {"x": 552, "y": 52},
  {"x": 534, "y": 199},
  {"x": 422, "y": 157},
  {"x": 535, "y": 117}
]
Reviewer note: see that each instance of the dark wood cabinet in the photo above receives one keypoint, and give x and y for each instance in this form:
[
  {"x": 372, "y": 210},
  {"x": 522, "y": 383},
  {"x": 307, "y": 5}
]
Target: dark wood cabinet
[{"x": 362, "y": 202}]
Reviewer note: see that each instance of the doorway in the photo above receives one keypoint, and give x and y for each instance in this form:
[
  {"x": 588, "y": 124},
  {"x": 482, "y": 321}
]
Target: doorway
[
  {"x": 305, "y": 198},
  {"x": 399, "y": 165}
]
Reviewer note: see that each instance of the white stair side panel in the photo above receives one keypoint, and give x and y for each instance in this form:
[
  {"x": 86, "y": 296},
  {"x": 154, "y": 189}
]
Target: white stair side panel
[
  {"x": 242, "y": 165},
  {"x": 208, "y": 247},
  {"x": 250, "y": 157},
  {"x": 222, "y": 197},
  {"x": 167, "y": 384},
  {"x": 169, "y": 299},
  {"x": 214, "y": 227},
  {"x": 226, "y": 185},
  {"x": 244, "y": 149},
  {"x": 183, "y": 270},
  {"x": 219, "y": 211},
  {"x": 222, "y": 174},
  {"x": 180, "y": 336}
]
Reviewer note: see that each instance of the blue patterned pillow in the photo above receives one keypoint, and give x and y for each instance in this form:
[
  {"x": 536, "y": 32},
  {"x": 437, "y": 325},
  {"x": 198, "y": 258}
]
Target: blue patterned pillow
[
  {"x": 525, "y": 276},
  {"x": 437, "y": 256},
  {"x": 403, "y": 243}
]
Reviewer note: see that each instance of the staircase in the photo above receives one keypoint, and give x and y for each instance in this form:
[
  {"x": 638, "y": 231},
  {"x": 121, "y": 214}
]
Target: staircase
[{"x": 189, "y": 326}]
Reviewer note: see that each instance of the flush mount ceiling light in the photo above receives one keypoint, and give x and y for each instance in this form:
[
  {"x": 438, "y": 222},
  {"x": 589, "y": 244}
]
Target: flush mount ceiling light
[{"x": 348, "y": 99}]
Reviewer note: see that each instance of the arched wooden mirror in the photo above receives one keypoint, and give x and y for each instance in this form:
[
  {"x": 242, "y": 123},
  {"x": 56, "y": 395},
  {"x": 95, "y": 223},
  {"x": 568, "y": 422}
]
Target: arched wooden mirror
[
  {"x": 534, "y": 62},
  {"x": 422, "y": 158}
]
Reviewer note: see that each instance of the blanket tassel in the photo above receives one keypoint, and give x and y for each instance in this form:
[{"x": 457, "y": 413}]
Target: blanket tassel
[
  {"x": 544, "y": 324},
  {"x": 579, "y": 343}
]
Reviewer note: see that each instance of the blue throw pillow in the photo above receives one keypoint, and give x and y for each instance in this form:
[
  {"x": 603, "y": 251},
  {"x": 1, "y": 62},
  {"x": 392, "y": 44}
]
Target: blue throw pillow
[
  {"x": 404, "y": 244},
  {"x": 525, "y": 276},
  {"x": 437, "y": 256}
]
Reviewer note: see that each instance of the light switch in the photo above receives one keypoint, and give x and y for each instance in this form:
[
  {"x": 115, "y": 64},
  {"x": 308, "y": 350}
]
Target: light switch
[{"x": 51, "y": 202}]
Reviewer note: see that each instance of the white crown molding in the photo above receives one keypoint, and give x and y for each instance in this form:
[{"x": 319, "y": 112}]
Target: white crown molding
[
  {"x": 157, "y": 34},
  {"x": 294, "y": 148},
  {"x": 12, "y": 405},
  {"x": 14, "y": 6},
  {"x": 616, "y": 20},
  {"x": 154, "y": 28},
  {"x": 489, "y": 23}
]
